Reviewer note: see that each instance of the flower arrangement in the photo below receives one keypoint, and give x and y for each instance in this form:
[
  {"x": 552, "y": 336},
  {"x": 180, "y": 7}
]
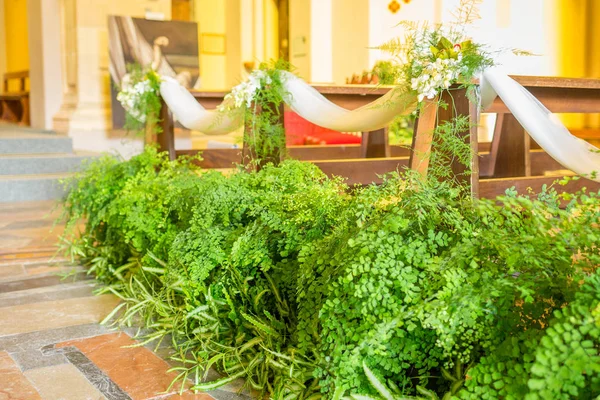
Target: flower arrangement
[
  {"x": 432, "y": 58},
  {"x": 139, "y": 95},
  {"x": 261, "y": 98},
  {"x": 246, "y": 92}
]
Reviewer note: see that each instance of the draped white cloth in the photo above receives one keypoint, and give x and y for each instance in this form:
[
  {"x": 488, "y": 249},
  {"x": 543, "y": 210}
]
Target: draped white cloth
[
  {"x": 570, "y": 151},
  {"x": 311, "y": 105},
  {"x": 544, "y": 127},
  {"x": 302, "y": 98},
  {"x": 192, "y": 115}
]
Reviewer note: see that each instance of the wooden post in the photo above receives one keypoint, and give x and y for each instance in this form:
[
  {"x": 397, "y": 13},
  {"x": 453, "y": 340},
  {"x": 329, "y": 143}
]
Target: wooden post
[
  {"x": 509, "y": 153},
  {"x": 253, "y": 156},
  {"x": 374, "y": 144},
  {"x": 166, "y": 138},
  {"x": 424, "y": 142},
  {"x": 420, "y": 150},
  {"x": 150, "y": 136}
]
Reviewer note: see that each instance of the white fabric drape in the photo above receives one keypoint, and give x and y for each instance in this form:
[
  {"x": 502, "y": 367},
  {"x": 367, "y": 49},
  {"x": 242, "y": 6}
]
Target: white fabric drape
[
  {"x": 571, "y": 152},
  {"x": 192, "y": 115},
  {"x": 302, "y": 98},
  {"x": 311, "y": 105},
  {"x": 544, "y": 127}
]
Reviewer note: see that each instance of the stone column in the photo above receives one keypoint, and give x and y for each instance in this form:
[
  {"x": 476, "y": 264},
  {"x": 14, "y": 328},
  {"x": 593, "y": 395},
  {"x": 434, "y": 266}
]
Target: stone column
[
  {"x": 69, "y": 62},
  {"x": 350, "y": 38},
  {"x": 86, "y": 115},
  {"x": 45, "y": 76}
]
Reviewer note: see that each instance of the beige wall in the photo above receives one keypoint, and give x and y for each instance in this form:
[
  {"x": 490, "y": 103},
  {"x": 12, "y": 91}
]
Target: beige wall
[
  {"x": 321, "y": 49},
  {"x": 250, "y": 31},
  {"x": 300, "y": 37},
  {"x": 233, "y": 36},
  {"x": 14, "y": 25},
  {"x": 210, "y": 16}
]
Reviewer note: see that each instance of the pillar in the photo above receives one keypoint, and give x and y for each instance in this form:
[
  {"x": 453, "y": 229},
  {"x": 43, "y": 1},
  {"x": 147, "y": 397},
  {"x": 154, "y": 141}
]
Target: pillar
[
  {"x": 85, "y": 114},
  {"x": 321, "y": 49},
  {"x": 45, "y": 76},
  {"x": 350, "y": 38}
]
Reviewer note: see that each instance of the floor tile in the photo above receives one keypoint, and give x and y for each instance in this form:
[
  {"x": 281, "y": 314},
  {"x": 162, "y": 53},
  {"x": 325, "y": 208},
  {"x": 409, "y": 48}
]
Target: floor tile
[
  {"x": 12, "y": 270},
  {"x": 63, "y": 382},
  {"x": 13, "y": 384},
  {"x": 34, "y": 282},
  {"x": 190, "y": 396},
  {"x": 137, "y": 370},
  {"x": 42, "y": 340},
  {"x": 98, "y": 378},
  {"x": 55, "y": 314},
  {"x": 48, "y": 293},
  {"x": 10, "y": 256},
  {"x": 45, "y": 269},
  {"x": 34, "y": 359}
]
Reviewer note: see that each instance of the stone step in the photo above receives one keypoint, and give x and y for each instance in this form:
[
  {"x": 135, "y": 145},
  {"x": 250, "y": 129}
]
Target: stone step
[
  {"x": 9, "y": 127},
  {"x": 31, "y": 187},
  {"x": 28, "y": 164},
  {"x": 17, "y": 141}
]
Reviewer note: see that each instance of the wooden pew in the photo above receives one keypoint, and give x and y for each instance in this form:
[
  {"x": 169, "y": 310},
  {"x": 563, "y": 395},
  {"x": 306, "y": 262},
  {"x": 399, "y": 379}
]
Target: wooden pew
[
  {"x": 557, "y": 94},
  {"x": 511, "y": 145},
  {"x": 374, "y": 144},
  {"x": 14, "y": 105}
]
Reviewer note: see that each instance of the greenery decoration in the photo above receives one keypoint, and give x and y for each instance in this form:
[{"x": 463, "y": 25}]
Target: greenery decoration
[
  {"x": 261, "y": 97},
  {"x": 285, "y": 278},
  {"x": 433, "y": 62},
  {"x": 139, "y": 95},
  {"x": 432, "y": 58}
]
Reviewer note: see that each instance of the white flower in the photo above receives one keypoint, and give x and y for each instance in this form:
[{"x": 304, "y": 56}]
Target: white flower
[
  {"x": 245, "y": 93},
  {"x": 434, "y": 76},
  {"x": 131, "y": 95}
]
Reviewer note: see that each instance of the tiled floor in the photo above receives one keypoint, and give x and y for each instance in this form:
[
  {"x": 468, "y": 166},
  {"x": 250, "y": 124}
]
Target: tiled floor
[{"x": 51, "y": 343}]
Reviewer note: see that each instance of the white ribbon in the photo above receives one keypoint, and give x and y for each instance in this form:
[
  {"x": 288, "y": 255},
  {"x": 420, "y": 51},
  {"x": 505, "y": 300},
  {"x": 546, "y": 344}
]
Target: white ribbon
[{"x": 547, "y": 130}]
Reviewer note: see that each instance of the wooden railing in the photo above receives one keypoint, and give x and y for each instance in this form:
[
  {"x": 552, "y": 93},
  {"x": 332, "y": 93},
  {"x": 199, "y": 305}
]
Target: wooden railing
[{"x": 510, "y": 160}]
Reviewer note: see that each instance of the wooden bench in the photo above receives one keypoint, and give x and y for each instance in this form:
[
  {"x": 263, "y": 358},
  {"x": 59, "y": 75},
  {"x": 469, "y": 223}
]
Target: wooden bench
[
  {"x": 14, "y": 105},
  {"x": 374, "y": 144},
  {"x": 510, "y": 152},
  {"x": 488, "y": 179}
]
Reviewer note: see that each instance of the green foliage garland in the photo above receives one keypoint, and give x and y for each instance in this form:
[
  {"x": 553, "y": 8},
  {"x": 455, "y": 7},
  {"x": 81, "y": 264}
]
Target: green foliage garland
[{"x": 285, "y": 278}]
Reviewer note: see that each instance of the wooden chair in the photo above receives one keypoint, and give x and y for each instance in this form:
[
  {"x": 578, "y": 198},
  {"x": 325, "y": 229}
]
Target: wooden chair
[{"x": 14, "y": 105}]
